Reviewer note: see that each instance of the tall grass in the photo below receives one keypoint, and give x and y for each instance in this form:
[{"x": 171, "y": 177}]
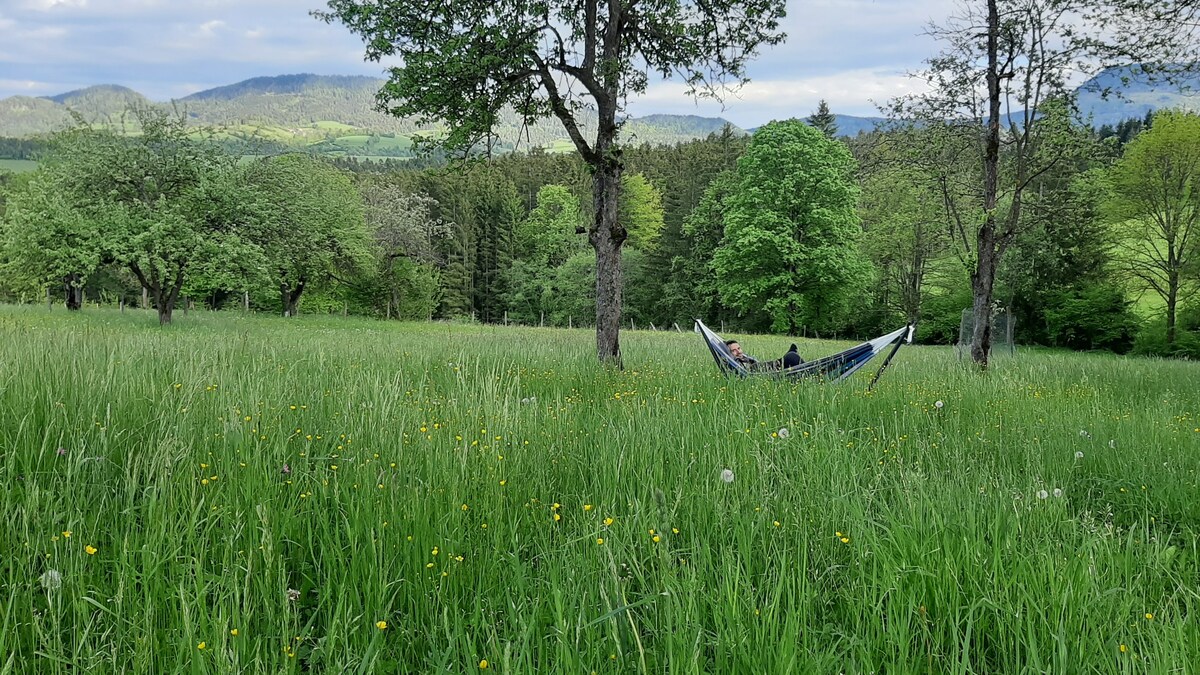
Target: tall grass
[{"x": 300, "y": 482}]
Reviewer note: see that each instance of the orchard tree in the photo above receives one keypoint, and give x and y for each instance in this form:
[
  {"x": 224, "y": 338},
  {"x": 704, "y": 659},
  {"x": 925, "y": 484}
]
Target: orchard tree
[
  {"x": 46, "y": 240},
  {"x": 1002, "y": 87},
  {"x": 1156, "y": 199},
  {"x": 790, "y": 246},
  {"x": 465, "y": 63},
  {"x": 156, "y": 203},
  {"x": 314, "y": 229},
  {"x": 406, "y": 236}
]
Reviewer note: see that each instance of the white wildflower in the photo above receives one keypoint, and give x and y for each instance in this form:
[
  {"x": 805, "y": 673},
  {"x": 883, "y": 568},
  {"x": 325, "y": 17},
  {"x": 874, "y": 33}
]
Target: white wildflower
[
  {"x": 1042, "y": 494},
  {"x": 525, "y": 401},
  {"x": 51, "y": 580},
  {"x": 938, "y": 404},
  {"x": 1112, "y": 444},
  {"x": 727, "y": 475},
  {"x": 1058, "y": 493},
  {"x": 784, "y": 433},
  {"x": 1084, "y": 434},
  {"x": 1078, "y": 454}
]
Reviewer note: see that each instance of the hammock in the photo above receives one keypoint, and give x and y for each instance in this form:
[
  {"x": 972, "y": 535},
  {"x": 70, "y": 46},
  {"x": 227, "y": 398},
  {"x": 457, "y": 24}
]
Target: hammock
[{"x": 834, "y": 368}]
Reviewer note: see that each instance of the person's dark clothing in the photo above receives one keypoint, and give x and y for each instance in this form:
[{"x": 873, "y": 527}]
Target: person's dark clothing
[{"x": 792, "y": 358}]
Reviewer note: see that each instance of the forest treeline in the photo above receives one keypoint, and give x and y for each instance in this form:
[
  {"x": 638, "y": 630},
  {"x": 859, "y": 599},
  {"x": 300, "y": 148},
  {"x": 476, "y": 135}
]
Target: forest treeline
[{"x": 165, "y": 218}]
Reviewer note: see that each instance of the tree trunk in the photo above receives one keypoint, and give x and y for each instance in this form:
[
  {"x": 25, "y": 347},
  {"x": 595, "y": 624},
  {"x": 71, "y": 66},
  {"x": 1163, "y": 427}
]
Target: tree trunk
[
  {"x": 607, "y": 236},
  {"x": 165, "y": 298},
  {"x": 291, "y": 297},
  {"x": 984, "y": 275},
  {"x": 1172, "y": 306},
  {"x": 74, "y": 290}
]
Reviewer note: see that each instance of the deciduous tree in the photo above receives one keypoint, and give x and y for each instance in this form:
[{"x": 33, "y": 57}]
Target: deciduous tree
[
  {"x": 466, "y": 62},
  {"x": 791, "y": 230},
  {"x": 1156, "y": 199},
  {"x": 314, "y": 230},
  {"x": 1002, "y": 85}
]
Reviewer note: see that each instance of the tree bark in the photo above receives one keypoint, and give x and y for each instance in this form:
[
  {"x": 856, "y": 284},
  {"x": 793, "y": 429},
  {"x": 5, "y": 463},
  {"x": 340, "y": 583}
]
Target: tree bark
[
  {"x": 606, "y": 236},
  {"x": 290, "y": 296},
  {"x": 74, "y": 290},
  {"x": 165, "y": 298},
  {"x": 1172, "y": 306},
  {"x": 984, "y": 275}
]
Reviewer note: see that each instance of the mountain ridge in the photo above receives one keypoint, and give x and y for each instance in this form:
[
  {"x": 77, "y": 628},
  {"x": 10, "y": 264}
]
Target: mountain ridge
[{"x": 339, "y": 112}]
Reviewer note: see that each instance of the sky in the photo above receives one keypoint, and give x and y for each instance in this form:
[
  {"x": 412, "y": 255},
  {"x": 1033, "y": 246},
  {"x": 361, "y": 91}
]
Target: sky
[{"x": 852, "y": 53}]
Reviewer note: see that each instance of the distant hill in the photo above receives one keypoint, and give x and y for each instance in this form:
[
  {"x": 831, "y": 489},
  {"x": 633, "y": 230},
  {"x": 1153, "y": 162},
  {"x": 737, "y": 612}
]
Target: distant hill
[
  {"x": 336, "y": 114},
  {"x": 332, "y": 114},
  {"x": 1131, "y": 95}
]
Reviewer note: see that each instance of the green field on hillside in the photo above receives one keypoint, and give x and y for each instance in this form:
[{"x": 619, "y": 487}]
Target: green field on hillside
[
  {"x": 257, "y": 495},
  {"x": 17, "y": 165}
]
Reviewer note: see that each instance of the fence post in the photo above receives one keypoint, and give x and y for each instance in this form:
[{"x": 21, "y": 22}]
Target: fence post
[
  {"x": 678, "y": 329},
  {"x": 542, "y": 324},
  {"x": 569, "y": 324}
]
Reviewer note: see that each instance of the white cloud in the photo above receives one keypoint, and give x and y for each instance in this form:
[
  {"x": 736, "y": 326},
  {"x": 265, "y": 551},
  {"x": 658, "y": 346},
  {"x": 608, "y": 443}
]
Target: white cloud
[
  {"x": 209, "y": 28},
  {"x": 850, "y": 93},
  {"x": 44, "y": 33},
  {"x": 47, "y": 5},
  {"x": 27, "y": 86},
  {"x": 255, "y": 33}
]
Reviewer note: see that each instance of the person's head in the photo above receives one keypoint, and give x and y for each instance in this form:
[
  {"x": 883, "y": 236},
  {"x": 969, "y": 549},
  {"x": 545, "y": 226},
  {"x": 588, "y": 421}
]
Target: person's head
[{"x": 734, "y": 347}]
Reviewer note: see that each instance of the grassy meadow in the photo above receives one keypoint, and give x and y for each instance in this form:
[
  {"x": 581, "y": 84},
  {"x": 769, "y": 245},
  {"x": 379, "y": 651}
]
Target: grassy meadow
[{"x": 257, "y": 495}]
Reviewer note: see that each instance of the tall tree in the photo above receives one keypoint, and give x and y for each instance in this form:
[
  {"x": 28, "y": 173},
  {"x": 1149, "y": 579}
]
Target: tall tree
[
  {"x": 404, "y": 229},
  {"x": 824, "y": 121},
  {"x": 157, "y": 202},
  {"x": 315, "y": 229},
  {"x": 791, "y": 229},
  {"x": 1156, "y": 190},
  {"x": 1002, "y": 85},
  {"x": 466, "y": 62},
  {"x": 46, "y": 240}
]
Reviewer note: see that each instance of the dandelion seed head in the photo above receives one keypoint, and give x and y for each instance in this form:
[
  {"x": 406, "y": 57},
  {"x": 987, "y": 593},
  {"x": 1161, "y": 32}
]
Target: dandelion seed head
[
  {"x": 293, "y": 594},
  {"x": 784, "y": 433},
  {"x": 1058, "y": 492},
  {"x": 938, "y": 404},
  {"x": 1042, "y": 494},
  {"x": 51, "y": 580},
  {"x": 1078, "y": 454},
  {"x": 727, "y": 475}
]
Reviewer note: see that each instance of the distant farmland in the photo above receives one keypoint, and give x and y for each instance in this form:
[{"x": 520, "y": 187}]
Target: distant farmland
[{"x": 17, "y": 165}]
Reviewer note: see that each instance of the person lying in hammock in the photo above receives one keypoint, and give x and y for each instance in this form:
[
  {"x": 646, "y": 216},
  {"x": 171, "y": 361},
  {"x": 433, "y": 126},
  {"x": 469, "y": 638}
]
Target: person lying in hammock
[{"x": 791, "y": 358}]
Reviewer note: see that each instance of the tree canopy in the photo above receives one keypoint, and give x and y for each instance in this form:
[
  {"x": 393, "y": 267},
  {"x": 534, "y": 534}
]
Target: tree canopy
[{"x": 791, "y": 229}]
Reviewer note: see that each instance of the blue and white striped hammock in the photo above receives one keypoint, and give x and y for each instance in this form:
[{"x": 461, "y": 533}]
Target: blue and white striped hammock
[{"x": 833, "y": 368}]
